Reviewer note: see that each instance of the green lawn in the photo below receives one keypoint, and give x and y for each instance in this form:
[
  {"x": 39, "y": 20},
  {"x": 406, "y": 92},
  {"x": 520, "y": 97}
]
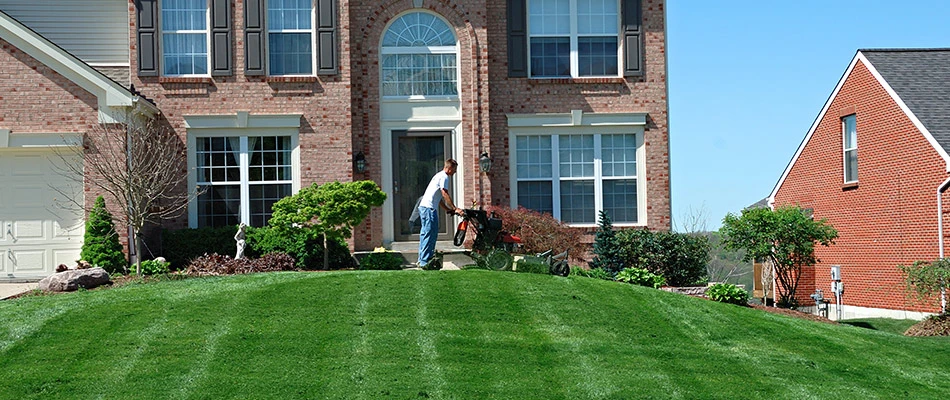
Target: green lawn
[
  {"x": 442, "y": 335},
  {"x": 895, "y": 326}
]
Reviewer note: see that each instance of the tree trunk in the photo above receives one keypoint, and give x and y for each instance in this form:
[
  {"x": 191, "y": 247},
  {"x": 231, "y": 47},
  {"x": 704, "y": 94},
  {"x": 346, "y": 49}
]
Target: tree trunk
[
  {"x": 326, "y": 254},
  {"x": 138, "y": 253}
]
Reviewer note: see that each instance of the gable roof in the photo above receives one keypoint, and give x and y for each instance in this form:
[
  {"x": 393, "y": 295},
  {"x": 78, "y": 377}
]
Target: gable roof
[
  {"x": 112, "y": 97},
  {"x": 922, "y": 80},
  {"x": 918, "y": 80}
]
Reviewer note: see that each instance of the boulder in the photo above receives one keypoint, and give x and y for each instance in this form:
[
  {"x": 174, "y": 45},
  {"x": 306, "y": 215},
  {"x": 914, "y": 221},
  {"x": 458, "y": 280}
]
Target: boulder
[{"x": 73, "y": 279}]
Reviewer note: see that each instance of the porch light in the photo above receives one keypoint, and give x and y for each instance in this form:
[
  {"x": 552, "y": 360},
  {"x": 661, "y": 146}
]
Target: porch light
[
  {"x": 484, "y": 162},
  {"x": 359, "y": 162}
]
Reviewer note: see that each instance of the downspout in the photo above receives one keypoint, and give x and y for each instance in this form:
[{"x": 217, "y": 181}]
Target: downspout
[{"x": 940, "y": 189}]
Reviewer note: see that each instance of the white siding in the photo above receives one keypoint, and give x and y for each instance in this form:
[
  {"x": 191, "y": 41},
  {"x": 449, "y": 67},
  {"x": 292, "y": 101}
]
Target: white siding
[{"x": 96, "y": 31}]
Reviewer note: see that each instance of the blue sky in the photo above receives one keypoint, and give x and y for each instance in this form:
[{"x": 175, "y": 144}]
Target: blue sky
[{"x": 748, "y": 77}]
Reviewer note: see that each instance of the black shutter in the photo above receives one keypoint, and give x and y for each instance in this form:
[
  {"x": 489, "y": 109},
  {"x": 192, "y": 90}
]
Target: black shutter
[
  {"x": 254, "y": 46},
  {"x": 221, "y": 37},
  {"x": 632, "y": 38},
  {"x": 326, "y": 37},
  {"x": 146, "y": 13},
  {"x": 517, "y": 38}
]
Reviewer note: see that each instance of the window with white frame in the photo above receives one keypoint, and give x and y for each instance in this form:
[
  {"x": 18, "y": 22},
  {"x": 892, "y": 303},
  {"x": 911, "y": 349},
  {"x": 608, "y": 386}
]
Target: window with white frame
[
  {"x": 185, "y": 38},
  {"x": 574, "y": 176},
  {"x": 849, "y": 128},
  {"x": 290, "y": 37},
  {"x": 573, "y": 38},
  {"x": 419, "y": 57},
  {"x": 241, "y": 178}
]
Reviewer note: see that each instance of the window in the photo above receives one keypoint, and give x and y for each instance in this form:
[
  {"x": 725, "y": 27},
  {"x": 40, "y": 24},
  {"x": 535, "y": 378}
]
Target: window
[
  {"x": 573, "y": 38},
  {"x": 574, "y": 176},
  {"x": 185, "y": 38},
  {"x": 290, "y": 37},
  {"x": 419, "y": 55},
  {"x": 849, "y": 128},
  {"x": 242, "y": 177}
]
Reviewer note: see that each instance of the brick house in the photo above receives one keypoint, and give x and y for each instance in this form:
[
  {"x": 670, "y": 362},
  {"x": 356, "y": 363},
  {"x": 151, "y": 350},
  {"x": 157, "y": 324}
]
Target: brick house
[
  {"x": 888, "y": 210},
  {"x": 568, "y": 98}
]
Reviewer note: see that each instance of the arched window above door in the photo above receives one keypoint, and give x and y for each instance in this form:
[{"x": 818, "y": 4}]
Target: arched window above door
[{"x": 419, "y": 57}]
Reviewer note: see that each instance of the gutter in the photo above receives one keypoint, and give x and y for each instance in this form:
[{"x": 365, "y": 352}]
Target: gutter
[{"x": 940, "y": 189}]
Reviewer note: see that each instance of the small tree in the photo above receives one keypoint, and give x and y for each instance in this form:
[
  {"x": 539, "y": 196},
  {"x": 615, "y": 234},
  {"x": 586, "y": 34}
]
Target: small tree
[
  {"x": 928, "y": 278},
  {"x": 786, "y": 237},
  {"x": 141, "y": 165},
  {"x": 331, "y": 210},
  {"x": 606, "y": 250},
  {"x": 101, "y": 245}
]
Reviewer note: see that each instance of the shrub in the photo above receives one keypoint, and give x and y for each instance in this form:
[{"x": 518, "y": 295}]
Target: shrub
[
  {"x": 304, "y": 245},
  {"x": 155, "y": 267},
  {"x": 678, "y": 257},
  {"x": 381, "y": 260},
  {"x": 642, "y": 277},
  {"x": 532, "y": 267},
  {"x": 182, "y": 245},
  {"x": 101, "y": 245},
  {"x": 596, "y": 273},
  {"x": 728, "y": 293},
  {"x": 215, "y": 264},
  {"x": 606, "y": 250},
  {"x": 542, "y": 232}
]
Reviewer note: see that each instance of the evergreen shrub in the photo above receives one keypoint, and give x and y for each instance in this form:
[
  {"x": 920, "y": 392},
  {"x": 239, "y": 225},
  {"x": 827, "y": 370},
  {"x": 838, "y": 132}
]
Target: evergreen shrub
[
  {"x": 381, "y": 260},
  {"x": 303, "y": 245},
  {"x": 678, "y": 257},
  {"x": 183, "y": 245},
  {"x": 101, "y": 247}
]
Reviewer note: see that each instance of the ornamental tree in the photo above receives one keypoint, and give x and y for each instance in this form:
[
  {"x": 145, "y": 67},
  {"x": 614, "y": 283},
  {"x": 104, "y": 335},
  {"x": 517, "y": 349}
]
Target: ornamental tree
[
  {"x": 786, "y": 237},
  {"x": 925, "y": 279},
  {"x": 330, "y": 210}
]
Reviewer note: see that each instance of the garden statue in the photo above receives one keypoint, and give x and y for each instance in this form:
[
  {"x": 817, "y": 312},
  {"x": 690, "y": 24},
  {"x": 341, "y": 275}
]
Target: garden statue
[{"x": 241, "y": 243}]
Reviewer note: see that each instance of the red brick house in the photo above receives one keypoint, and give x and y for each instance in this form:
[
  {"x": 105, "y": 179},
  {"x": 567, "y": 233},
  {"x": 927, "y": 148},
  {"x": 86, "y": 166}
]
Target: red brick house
[
  {"x": 875, "y": 164},
  {"x": 568, "y": 98}
]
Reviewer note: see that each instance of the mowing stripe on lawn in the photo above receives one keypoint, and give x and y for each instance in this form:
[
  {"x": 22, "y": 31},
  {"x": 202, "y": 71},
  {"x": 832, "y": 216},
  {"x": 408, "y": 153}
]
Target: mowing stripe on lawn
[{"x": 426, "y": 341}]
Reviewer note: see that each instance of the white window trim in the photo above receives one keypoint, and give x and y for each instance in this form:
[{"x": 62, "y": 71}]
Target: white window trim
[
  {"x": 313, "y": 40},
  {"x": 580, "y": 123},
  {"x": 207, "y": 33},
  {"x": 575, "y": 57},
  {"x": 845, "y": 150},
  {"x": 241, "y": 124},
  {"x": 383, "y": 50}
]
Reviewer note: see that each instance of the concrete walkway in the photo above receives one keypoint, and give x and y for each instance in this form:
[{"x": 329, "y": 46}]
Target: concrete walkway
[{"x": 13, "y": 289}]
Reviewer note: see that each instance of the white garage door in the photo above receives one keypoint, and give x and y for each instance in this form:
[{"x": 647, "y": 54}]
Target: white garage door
[{"x": 40, "y": 227}]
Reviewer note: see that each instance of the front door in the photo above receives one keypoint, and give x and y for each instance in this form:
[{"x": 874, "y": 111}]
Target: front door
[{"x": 417, "y": 156}]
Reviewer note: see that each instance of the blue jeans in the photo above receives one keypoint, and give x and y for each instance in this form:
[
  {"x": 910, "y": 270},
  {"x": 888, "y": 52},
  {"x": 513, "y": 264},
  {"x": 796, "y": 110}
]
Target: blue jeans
[{"x": 428, "y": 234}]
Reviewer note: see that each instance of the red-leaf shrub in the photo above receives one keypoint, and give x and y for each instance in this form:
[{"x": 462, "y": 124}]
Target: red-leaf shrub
[
  {"x": 216, "y": 264},
  {"x": 542, "y": 232}
]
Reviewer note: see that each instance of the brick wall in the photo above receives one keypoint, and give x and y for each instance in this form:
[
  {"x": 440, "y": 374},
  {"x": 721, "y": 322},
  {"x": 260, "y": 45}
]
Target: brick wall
[
  {"x": 643, "y": 94},
  {"x": 37, "y": 99},
  {"x": 324, "y": 103},
  {"x": 889, "y": 219},
  {"x": 341, "y": 113}
]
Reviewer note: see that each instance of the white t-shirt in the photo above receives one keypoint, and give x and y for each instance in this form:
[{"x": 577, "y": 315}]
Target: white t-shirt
[{"x": 433, "y": 194}]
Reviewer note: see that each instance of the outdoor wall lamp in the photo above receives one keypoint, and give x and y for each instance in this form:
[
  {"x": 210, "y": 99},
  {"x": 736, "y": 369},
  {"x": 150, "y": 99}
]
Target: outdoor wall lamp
[
  {"x": 359, "y": 162},
  {"x": 484, "y": 162}
]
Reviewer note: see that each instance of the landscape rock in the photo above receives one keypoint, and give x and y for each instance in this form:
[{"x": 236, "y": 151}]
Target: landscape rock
[{"x": 73, "y": 279}]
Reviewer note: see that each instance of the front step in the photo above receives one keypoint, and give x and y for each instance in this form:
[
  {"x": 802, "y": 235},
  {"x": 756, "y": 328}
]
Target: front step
[{"x": 453, "y": 257}]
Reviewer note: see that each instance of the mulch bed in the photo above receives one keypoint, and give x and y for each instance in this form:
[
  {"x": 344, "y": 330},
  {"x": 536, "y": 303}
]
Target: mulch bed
[
  {"x": 938, "y": 325},
  {"x": 793, "y": 313}
]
